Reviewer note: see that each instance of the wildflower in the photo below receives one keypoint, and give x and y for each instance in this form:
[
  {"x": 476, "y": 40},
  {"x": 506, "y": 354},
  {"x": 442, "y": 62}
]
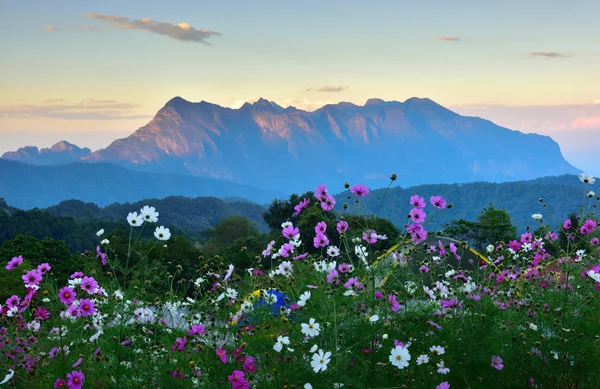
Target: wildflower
[
  {"x": 179, "y": 344},
  {"x": 567, "y": 224},
  {"x": 373, "y": 319},
  {"x": 281, "y": 340},
  {"x": 588, "y": 227},
  {"x": 149, "y": 214},
  {"x": 586, "y": 178},
  {"x": 329, "y": 203},
  {"x": 536, "y": 216},
  {"x": 591, "y": 194},
  {"x": 285, "y": 268},
  {"x": 231, "y": 293},
  {"x": 60, "y": 383},
  {"x": 497, "y": 362},
  {"x": 441, "y": 368},
  {"x": 8, "y": 377},
  {"x": 100, "y": 232},
  {"x": 89, "y": 284},
  {"x": 87, "y": 307},
  {"x": 75, "y": 379},
  {"x": 104, "y": 241},
  {"x": 286, "y": 250},
  {"x": 304, "y": 298},
  {"x": 421, "y": 359},
  {"x": 417, "y": 201},
  {"x": 399, "y": 357},
  {"x": 321, "y": 192},
  {"x": 32, "y": 277},
  {"x": 342, "y": 227},
  {"x": 320, "y": 361},
  {"x": 443, "y": 385},
  {"x": 333, "y": 251},
  {"x": 360, "y": 190},
  {"x": 438, "y": 202},
  {"x": 222, "y": 355},
  {"x": 290, "y": 232},
  {"x": 101, "y": 256},
  {"x": 134, "y": 219},
  {"x": 13, "y": 263},
  {"x": 333, "y": 277},
  {"x": 162, "y": 233},
  {"x": 594, "y": 275},
  {"x": 76, "y": 364},
  {"x": 417, "y": 215},
  {"x": 394, "y": 302},
  {"x": 320, "y": 240},
  {"x": 302, "y": 205},
  {"x": 533, "y": 326},
  {"x": 437, "y": 350},
  {"x": 237, "y": 380},
  {"x": 311, "y": 329}
]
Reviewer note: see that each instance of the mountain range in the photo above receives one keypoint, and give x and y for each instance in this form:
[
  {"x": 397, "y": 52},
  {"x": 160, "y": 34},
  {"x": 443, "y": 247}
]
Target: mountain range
[{"x": 264, "y": 145}]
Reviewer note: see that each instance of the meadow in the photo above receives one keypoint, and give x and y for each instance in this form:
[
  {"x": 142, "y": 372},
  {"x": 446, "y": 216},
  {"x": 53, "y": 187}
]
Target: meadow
[{"x": 333, "y": 303}]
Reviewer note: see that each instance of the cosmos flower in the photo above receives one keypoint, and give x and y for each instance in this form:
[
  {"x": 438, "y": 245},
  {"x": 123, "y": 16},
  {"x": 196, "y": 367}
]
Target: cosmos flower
[
  {"x": 417, "y": 201},
  {"x": 320, "y": 360},
  {"x": 360, "y": 190},
  {"x": 311, "y": 329},
  {"x": 342, "y": 227},
  {"x": 497, "y": 362},
  {"x": 13, "y": 263},
  {"x": 149, "y": 214},
  {"x": 438, "y": 202},
  {"x": 587, "y": 178},
  {"x": 134, "y": 219},
  {"x": 75, "y": 379},
  {"x": 399, "y": 357},
  {"x": 162, "y": 233}
]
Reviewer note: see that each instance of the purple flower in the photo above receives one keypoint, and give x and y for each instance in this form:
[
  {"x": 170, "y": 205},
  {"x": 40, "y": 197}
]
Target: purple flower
[
  {"x": 443, "y": 385},
  {"x": 417, "y": 201},
  {"x": 438, "y": 202},
  {"x": 89, "y": 284},
  {"x": 328, "y": 203},
  {"x": 75, "y": 379},
  {"x": 321, "y": 227},
  {"x": 497, "y": 362},
  {"x": 567, "y": 224},
  {"x": 66, "y": 295},
  {"x": 360, "y": 190},
  {"x": 320, "y": 241},
  {"x": 43, "y": 268},
  {"x": 286, "y": 250},
  {"x": 196, "y": 330},
  {"x": 179, "y": 344},
  {"x": 342, "y": 227},
  {"x": 290, "y": 232},
  {"x": 76, "y": 364},
  {"x": 222, "y": 354},
  {"x": 344, "y": 268},
  {"x": 394, "y": 302},
  {"x": 321, "y": 192},
  {"x": 13, "y": 301},
  {"x": 87, "y": 307},
  {"x": 101, "y": 256},
  {"x": 370, "y": 236},
  {"x": 60, "y": 383},
  {"x": 526, "y": 237},
  {"x": 32, "y": 277},
  {"x": 13, "y": 263},
  {"x": 588, "y": 227},
  {"x": 417, "y": 215},
  {"x": 302, "y": 205},
  {"x": 301, "y": 256},
  {"x": 333, "y": 277}
]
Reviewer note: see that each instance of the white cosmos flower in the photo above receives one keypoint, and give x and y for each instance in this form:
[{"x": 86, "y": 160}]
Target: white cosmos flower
[
  {"x": 285, "y": 268},
  {"x": 149, "y": 214},
  {"x": 304, "y": 298},
  {"x": 399, "y": 357},
  {"x": 281, "y": 340},
  {"x": 100, "y": 232},
  {"x": 536, "y": 216},
  {"x": 374, "y": 318},
  {"x": 587, "y": 178},
  {"x": 333, "y": 251},
  {"x": 162, "y": 233},
  {"x": 134, "y": 219},
  {"x": 231, "y": 293},
  {"x": 314, "y": 348},
  {"x": 105, "y": 241},
  {"x": 320, "y": 361},
  {"x": 311, "y": 329},
  {"x": 594, "y": 276},
  {"x": 421, "y": 359},
  {"x": 441, "y": 368},
  {"x": 490, "y": 248},
  {"x": 533, "y": 326},
  {"x": 8, "y": 377},
  {"x": 308, "y": 386},
  {"x": 286, "y": 224},
  {"x": 437, "y": 350},
  {"x": 591, "y": 194}
]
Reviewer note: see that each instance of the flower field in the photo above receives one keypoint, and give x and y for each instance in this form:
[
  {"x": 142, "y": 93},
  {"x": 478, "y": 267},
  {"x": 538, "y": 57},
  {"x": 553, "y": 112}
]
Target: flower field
[{"x": 354, "y": 311}]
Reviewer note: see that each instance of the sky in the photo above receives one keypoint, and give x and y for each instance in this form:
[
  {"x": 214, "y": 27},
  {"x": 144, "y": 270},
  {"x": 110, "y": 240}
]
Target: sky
[{"x": 92, "y": 72}]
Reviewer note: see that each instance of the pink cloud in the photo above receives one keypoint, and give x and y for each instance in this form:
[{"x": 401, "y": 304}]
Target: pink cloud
[{"x": 586, "y": 123}]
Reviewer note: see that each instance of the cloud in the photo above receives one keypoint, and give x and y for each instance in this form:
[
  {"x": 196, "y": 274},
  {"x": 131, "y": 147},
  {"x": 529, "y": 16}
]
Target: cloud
[
  {"x": 330, "y": 88},
  {"x": 61, "y": 109},
  {"x": 549, "y": 54},
  {"x": 586, "y": 123},
  {"x": 448, "y": 38},
  {"x": 181, "y": 31},
  {"x": 82, "y": 28},
  {"x": 305, "y": 104},
  {"x": 597, "y": 101}
]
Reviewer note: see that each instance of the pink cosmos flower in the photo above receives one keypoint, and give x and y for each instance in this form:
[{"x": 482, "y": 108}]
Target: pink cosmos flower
[
  {"x": 13, "y": 301},
  {"x": 301, "y": 256},
  {"x": 101, "y": 256},
  {"x": 443, "y": 385},
  {"x": 290, "y": 232},
  {"x": 43, "y": 268},
  {"x": 588, "y": 227},
  {"x": 453, "y": 250},
  {"x": 417, "y": 215},
  {"x": 329, "y": 203},
  {"x": 302, "y": 205},
  {"x": 417, "y": 201},
  {"x": 321, "y": 227},
  {"x": 13, "y": 263},
  {"x": 66, "y": 295},
  {"x": 497, "y": 362},
  {"x": 349, "y": 284},
  {"x": 237, "y": 380},
  {"x": 89, "y": 284},
  {"x": 370, "y": 236},
  {"x": 594, "y": 242},
  {"x": 75, "y": 379},
  {"x": 438, "y": 202},
  {"x": 344, "y": 268},
  {"x": 196, "y": 329},
  {"x": 567, "y": 224},
  {"x": 320, "y": 240},
  {"x": 76, "y": 364},
  {"x": 179, "y": 344},
  {"x": 60, "y": 383},
  {"x": 321, "y": 192},
  {"x": 286, "y": 250},
  {"x": 526, "y": 237},
  {"x": 359, "y": 190},
  {"x": 87, "y": 307},
  {"x": 41, "y": 313},
  {"x": 515, "y": 245},
  {"x": 342, "y": 227},
  {"x": 333, "y": 277},
  {"x": 32, "y": 277},
  {"x": 222, "y": 355},
  {"x": 394, "y": 302},
  {"x": 77, "y": 274}
]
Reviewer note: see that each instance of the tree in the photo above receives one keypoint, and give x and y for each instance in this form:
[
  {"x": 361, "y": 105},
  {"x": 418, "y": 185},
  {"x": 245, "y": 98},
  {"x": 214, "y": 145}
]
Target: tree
[{"x": 228, "y": 230}]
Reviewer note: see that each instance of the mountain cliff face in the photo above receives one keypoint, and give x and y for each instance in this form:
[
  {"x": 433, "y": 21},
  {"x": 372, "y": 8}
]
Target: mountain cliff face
[
  {"x": 268, "y": 146},
  {"x": 61, "y": 153}
]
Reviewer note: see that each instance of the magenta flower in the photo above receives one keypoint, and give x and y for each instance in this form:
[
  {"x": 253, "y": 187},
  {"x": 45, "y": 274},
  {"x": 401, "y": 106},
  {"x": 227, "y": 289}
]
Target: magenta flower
[
  {"x": 344, "y": 268},
  {"x": 329, "y": 203},
  {"x": 320, "y": 241},
  {"x": 32, "y": 277},
  {"x": 301, "y": 256},
  {"x": 101, "y": 256},
  {"x": 66, "y": 295},
  {"x": 588, "y": 227},
  {"x": 290, "y": 232},
  {"x": 438, "y": 202},
  {"x": 13, "y": 301},
  {"x": 567, "y": 224},
  {"x": 417, "y": 201},
  {"x": 515, "y": 245},
  {"x": 286, "y": 250},
  {"x": 302, "y": 205},
  {"x": 333, "y": 277},
  {"x": 349, "y": 284},
  {"x": 222, "y": 355},
  {"x": 526, "y": 237},
  {"x": 75, "y": 379},
  {"x": 43, "y": 268},
  {"x": 394, "y": 302},
  {"x": 196, "y": 330},
  {"x": 594, "y": 242},
  {"x": 41, "y": 313},
  {"x": 77, "y": 274},
  {"x": 13, "y": 263},
  {"x": 237, "y": 380},
  {"x": 453, "y": 250},
  {"x": 76, "y": 364},
  {"x": 360, "y": 190},
  {"x": 60, "y": 383},
  {"x": 87, "y": 307},
  {"x": 321, "y": 192},
  {"x": 179, "y": 344},
  {"x": 370, "y": 236},
  {"x": 342, "y": 227},
  {"x": 89, "y": 284},
  {"x": 321, "y": 227},
  {"x": 417, "y": 215},
  {"x": 443, "y": 385},
  {"x": 497, "y": 362}
]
